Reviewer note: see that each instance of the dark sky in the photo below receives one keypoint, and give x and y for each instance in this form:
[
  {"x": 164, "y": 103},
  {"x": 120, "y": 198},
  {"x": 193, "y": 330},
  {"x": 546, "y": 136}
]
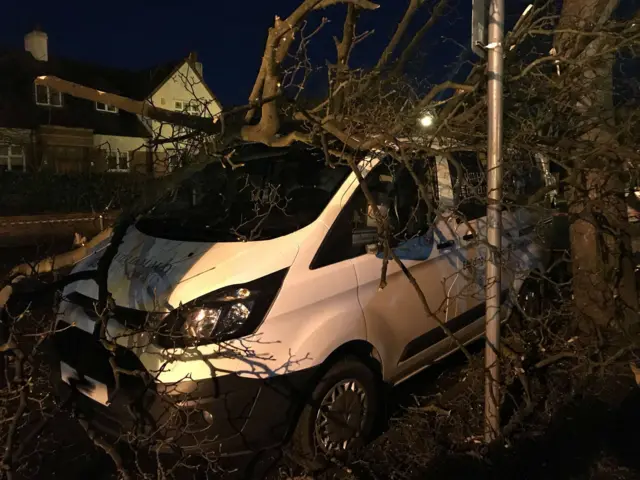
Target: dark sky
[{"x": 228, "y": 35}]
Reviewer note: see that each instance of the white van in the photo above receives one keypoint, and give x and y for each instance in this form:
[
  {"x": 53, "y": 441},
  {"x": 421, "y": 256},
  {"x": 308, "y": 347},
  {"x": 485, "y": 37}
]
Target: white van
[{"x": 248, "y": 301}]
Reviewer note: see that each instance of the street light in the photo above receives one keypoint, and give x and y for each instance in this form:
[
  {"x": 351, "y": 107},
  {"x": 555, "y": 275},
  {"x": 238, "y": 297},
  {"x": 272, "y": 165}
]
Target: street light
[{"x": 427, "y": 120}]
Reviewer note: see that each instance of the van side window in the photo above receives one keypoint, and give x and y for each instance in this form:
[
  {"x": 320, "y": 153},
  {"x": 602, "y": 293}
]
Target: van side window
[
  {"x": 409, "y": 215},
  {"x": 468, "y": 177},
  {"x": 522, "y": 179},
  {"x": 396, "y": 194}
]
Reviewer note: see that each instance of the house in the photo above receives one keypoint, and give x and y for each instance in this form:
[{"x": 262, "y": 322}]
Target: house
[{"x": 44, "y": 130}]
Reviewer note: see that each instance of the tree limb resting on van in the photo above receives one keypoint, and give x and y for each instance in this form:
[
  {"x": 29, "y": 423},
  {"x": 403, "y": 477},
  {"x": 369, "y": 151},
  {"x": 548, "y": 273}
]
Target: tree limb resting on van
[
  {"x": 340, "y": 116},
  {"x": 559, "y": 107}
]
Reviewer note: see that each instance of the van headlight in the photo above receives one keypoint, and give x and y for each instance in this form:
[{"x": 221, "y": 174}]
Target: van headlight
[{"x": 225, "y": 314}]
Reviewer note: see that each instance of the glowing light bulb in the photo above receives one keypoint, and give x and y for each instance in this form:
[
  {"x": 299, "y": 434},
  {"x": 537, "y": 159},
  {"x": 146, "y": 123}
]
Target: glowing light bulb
[{"x": 427, "y": 120}]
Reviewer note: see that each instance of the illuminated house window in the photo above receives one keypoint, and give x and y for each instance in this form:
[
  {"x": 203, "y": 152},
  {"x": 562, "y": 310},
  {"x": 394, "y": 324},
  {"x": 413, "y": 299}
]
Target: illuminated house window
[
  {"x": 175, "y": 159},
  {"x": 191, "y": 108},
  {"x": 117, "y": 161},
  {"x": 103, "y": 107},
  {"x": 48, "y": 96},
  {"x": 12, "y": 158}
]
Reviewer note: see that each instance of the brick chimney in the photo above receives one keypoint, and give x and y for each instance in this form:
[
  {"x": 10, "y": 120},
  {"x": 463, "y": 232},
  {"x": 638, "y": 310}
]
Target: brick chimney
[
  {"x": 36, "y": 43},
  {"x": 193, "y": 58}
]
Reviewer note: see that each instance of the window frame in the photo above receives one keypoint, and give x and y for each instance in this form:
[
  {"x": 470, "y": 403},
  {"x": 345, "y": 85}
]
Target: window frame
[
  {"x": 107, "y": 108},
  {"x": 49, "y": 95},
  {"x": 187, "y": 107},
  {"x": 326, "y": 253},
  {"x": 192, "y": 108},
  {"x": 118, "y": 153},
  {"x": 9, "y": 157}
]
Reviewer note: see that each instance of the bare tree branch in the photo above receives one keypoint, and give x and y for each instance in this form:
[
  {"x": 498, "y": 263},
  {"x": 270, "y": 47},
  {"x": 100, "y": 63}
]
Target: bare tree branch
[
  {"x": 411, "y": 10},
  {"x": 415, "y": 41}
]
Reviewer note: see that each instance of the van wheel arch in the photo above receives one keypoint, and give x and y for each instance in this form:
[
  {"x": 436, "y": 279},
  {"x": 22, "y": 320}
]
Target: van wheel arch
[
  {"x": 359, "y": 350},
  {"x": 362, "y": 350}
]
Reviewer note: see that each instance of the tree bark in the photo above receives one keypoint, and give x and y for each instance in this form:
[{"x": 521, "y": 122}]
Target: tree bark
[{"x": 600, "y": 243}]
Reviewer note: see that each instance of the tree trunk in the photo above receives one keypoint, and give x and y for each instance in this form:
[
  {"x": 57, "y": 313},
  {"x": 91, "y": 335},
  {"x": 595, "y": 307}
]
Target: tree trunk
[{"x": 600, "y": 243}]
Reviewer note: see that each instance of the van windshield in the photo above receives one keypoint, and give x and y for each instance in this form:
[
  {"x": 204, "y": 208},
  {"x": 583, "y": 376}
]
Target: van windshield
[{"x": 268, "y": 193}]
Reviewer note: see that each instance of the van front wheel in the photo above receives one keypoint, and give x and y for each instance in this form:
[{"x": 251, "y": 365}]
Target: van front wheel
[{"x": 339, "y": 416}]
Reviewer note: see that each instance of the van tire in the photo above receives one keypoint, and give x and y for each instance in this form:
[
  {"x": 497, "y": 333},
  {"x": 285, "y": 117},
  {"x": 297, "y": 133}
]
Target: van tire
[{"x": 353, "y": 378}]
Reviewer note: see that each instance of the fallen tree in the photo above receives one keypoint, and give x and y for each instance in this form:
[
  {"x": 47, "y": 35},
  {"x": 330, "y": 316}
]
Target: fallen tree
[{"x": 379, "y": 109}]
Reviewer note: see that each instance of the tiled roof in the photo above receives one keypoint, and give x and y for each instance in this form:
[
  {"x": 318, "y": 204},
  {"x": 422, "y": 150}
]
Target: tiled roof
[{"x": 18, "y": 109}]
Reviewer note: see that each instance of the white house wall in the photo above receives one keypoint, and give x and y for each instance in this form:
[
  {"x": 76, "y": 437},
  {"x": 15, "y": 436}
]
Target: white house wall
[
  {"x": 185, "y": 86},
  {"x": 123, "y": 144}
]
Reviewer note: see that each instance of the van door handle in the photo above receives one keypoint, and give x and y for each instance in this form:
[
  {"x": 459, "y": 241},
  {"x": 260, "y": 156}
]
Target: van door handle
[
  {"x": 447, "y": 244},
  {"x": 468, "y": 236}
]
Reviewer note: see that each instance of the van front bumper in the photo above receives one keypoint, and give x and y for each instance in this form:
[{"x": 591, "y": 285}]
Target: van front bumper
[{"x": 226, "y": 415}]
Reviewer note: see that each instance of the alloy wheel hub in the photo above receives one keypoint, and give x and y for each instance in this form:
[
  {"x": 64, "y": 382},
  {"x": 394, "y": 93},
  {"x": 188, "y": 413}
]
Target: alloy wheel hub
[{"x": 341, "y": 416}]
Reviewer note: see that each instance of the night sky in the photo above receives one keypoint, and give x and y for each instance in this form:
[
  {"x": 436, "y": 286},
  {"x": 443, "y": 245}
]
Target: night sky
[{"x": 228, "y": 35}]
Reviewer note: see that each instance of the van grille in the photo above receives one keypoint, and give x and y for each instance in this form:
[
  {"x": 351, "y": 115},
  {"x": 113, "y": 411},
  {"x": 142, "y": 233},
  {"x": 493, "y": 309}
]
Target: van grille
[{"x": 129, "y": 317}]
